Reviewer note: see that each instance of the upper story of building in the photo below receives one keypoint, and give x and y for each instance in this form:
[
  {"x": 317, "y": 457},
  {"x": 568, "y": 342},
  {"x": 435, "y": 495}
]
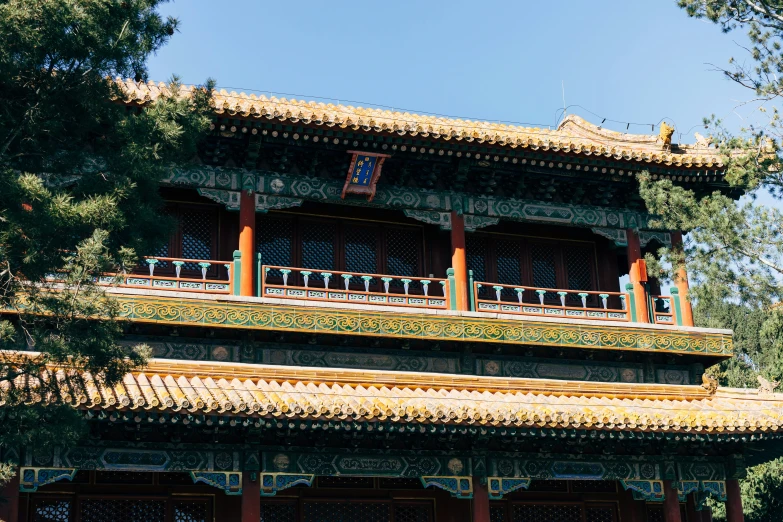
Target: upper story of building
[{"x": 457, "y": 236}]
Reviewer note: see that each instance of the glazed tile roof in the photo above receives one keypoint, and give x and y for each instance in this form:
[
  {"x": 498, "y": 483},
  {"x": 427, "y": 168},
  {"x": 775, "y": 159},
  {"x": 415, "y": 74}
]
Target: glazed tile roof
[
  {"x": 360, "y": 395},
  {"x": 573, "y": 135}
]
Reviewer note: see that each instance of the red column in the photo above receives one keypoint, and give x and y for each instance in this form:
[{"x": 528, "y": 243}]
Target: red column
[
  {"x": 682, "y": 285},
  {"x": 637, "y": 272},
  {"x": 247, "y": 232},
  {"x": 251, "y": 497},
  {"x": 631, "y": 510},
  {"x": 480, "y": 501},
  {"x": 733, "y": 502},
  {"x": 9, "y": 509},
  {"x": 671, "y": 503},
  {"x": 458, "y": 261},
  {"x": 693, "y": 515}
]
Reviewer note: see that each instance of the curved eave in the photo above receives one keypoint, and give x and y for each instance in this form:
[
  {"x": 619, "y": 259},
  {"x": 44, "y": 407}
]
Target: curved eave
[
  {"x": 573, "y": 135},
  {"x": 317, "y": 394}
]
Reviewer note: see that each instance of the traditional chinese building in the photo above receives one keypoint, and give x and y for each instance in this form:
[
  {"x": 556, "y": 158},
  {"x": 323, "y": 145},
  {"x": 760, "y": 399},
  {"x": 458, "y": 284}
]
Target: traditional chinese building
[{"x": 377, "y": 316}]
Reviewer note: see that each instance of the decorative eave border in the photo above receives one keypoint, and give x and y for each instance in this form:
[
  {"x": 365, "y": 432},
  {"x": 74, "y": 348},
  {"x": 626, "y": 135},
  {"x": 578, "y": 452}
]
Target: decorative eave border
[{"x": 474, "y": 327}]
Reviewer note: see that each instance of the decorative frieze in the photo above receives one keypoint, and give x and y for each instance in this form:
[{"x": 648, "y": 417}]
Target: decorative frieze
[
  {"x": 315, "y": 189},
  {"x": 566, "y": 334}
]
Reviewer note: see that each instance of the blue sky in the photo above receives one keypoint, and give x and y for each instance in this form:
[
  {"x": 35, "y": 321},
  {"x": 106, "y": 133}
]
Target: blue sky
[{"x": 627, "y": 61}]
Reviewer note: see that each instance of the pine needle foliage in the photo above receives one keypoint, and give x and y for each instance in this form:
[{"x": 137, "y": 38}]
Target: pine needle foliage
[{"x": 79, "y": 178}]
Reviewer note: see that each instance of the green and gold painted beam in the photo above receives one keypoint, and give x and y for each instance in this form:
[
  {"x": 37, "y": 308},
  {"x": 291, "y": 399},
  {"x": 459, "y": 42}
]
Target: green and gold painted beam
[{"x": 260, "y": 314}]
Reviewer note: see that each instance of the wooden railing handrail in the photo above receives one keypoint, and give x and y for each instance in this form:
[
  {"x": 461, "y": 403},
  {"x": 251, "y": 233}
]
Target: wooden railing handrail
[
  {"x": 551, "y": 290},
  {"x": 340, "y": 272},
  {"x": 187, "y": 260}
]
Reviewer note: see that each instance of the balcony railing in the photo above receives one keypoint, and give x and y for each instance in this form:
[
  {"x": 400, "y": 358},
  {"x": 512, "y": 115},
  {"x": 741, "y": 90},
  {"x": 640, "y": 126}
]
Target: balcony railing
[
  {"x": 175, "y": 281},
  {"x": 662, "y": 309},
  {"x": 283, "y": 282},
  {"x": 352, "y": 287},
  {"x": 550, "y": 302}
]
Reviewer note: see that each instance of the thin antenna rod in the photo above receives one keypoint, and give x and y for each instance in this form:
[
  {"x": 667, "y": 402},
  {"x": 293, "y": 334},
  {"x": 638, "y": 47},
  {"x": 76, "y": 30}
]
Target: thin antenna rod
[{"x": 562, "y": 84}]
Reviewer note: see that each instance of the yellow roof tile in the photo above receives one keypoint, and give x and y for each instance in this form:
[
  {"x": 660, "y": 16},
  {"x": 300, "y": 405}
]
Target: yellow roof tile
[
  {"x": 318, "y": 393},
  {"x": 573, "y": 135}
]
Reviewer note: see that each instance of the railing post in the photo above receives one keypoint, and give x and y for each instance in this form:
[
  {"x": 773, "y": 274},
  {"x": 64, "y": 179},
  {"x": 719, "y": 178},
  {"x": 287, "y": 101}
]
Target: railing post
[
  {"x": 236, "y": 272},
  {"x": 471, "y": 292},
  {"x": 682, "y": 284},
  {"x": 247, "y": 232},
  {"x": 637, "y": 272},
  {"x": 259, "y": 277},
  {"x": 631, "y": 301},
  {"x": 676, "y": 306},
  {"x": 452, "y": 289}
]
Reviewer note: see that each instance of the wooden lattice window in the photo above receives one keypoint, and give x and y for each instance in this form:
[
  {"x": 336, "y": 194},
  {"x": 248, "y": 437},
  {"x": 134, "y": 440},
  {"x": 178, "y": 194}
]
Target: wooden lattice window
[
  {"x": 196, "y": 237},
  {"x": 191, "y": 510},
  {"x": 279, "y": 511},
  {"x": 497, "y": 512},
  {"x": 340, "y": 245},
  {"x": 52, "y": 510},
  {"x": 530, "y": 512},
  {"x": 121, "y": 509},
  {"x": 526, "y": 261},
  {"x": 343, "y": 511},
  {"x": 600, "y": 513},
  {"x": 350, "y": 510}
]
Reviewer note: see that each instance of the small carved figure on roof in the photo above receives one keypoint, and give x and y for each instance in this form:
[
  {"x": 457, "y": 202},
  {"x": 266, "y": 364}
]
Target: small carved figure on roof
[
  {"x": 701, "y": 141},
  {"x": 709, "y": 383},
  {"x": 765, "y": 386},
  {"x": 665, "y": 135}
]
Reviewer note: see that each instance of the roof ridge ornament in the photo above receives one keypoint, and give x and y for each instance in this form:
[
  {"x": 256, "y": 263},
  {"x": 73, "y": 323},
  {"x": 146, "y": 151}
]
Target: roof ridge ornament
[
  {"x": 766, "y": 387},
  {"x": 709, "y": 383}
]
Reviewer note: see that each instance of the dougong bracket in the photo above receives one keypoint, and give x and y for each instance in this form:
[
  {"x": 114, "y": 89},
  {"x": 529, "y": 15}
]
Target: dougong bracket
[
  {"x": 229, "y": 481},
  {"x": 499, "y": 486},
  {"x": 460, "y": 487},
  {"x": 33, "y": 478},
  {"x": 650, "y": 490},
  {"x": 271, "y": 483}
]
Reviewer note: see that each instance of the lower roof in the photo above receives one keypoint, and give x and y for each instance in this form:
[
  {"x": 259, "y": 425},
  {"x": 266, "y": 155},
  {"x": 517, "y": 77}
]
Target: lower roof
[{"x": 362, "y": 395}]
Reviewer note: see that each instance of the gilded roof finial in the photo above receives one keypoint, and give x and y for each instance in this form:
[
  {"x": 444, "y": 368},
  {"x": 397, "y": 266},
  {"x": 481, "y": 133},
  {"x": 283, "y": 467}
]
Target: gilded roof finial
[
  {"x": 665, "y": 135},
  {"x": 709, "y": 383}
]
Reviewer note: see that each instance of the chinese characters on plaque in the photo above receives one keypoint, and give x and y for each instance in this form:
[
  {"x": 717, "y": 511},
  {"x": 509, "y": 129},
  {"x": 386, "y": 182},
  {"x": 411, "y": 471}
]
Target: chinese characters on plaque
[{"x": 364, "y": 173}]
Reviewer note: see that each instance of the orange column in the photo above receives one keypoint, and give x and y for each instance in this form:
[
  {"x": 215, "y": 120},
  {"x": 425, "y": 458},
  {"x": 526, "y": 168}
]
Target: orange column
[
  {"x": 671, "y": 503},
  {"x": 480, "y": 501},
  {"x": 637, "y": 272},
  {"x": 458, "y": 261},
  {"x": 251, "y": 497},
  {"x": 247, "y": 237},
  {"x": 733, "y": 502},
  {"x": 682, "y": 284},
  {"x": 9, "y": 510}
]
